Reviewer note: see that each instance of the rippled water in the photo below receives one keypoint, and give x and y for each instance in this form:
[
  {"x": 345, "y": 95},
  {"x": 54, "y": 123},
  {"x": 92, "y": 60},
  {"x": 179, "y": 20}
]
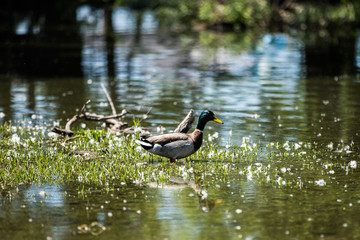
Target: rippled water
[
  {"x": 257, "y": 84},
  {"x": 260, "y": 84},
  {"x": 233, "y": 209}
]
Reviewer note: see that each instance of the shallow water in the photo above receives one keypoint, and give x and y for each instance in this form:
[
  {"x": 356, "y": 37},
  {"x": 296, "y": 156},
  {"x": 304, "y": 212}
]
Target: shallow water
[
  {"x": 261, "y": 85},
  {"x": 233, "y": 209}
]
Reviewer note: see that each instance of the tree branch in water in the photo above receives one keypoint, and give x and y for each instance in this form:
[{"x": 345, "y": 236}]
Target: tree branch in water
[{"x": 111, "y": 120}]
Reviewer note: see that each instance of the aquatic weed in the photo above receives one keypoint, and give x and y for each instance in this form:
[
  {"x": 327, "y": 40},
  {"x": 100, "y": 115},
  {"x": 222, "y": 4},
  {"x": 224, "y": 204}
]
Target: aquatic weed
[{"x": 99, "y": 158}]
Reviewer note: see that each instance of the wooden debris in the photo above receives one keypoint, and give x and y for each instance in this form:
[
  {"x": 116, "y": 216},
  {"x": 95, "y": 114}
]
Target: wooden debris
[{"x": 111, "y": 120}]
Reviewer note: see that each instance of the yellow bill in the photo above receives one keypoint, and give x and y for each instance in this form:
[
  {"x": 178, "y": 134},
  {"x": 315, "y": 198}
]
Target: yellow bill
[{"x": 217, "y": 120}]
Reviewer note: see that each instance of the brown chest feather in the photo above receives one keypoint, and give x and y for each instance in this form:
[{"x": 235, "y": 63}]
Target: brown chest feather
[{"x": 197, "y": 138}]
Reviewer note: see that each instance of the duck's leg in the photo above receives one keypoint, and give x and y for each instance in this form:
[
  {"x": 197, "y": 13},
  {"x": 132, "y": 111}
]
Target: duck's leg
[{"x": 173, "y": 160}]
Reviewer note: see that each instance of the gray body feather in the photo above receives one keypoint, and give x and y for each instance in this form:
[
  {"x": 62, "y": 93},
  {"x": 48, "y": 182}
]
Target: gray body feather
[{"x": 170, "y": 145}]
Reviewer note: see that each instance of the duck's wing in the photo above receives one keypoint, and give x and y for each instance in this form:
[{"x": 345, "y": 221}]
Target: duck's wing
[
  {"x": 168, "y": 138},
  {"x": 163, "y": 139}
]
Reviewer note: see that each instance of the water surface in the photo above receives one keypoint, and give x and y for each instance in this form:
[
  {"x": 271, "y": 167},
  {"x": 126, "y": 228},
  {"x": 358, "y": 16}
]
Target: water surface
[{"x": 270, "y": 86}]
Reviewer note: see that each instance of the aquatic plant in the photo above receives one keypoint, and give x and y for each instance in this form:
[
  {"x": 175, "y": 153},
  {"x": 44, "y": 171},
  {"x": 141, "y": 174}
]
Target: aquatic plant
[{"x": 98, "y": 157}]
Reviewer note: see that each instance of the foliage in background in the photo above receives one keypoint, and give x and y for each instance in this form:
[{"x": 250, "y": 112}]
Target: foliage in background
[
  {"x": 215, "y": 13},
  {"x": 239, "y": 14}
]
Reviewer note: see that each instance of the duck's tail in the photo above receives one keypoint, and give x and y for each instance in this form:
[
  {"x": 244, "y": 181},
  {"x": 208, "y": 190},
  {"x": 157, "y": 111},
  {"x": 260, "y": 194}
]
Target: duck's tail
[{"x": 145, "y": 144}]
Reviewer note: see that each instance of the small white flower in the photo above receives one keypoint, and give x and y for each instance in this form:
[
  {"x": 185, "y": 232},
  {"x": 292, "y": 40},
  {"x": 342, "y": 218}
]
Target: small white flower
[
  {"x": 286, "y": 146},
  {"x": 330, "y": 146},
  {"x": 15, "y": 138},
  {"x": 249, "y": 176},
  {"x": 245, "y": 139},
  {"x": 160, "y": 129},
  {"x": 320, "y": 182},
  {"x": 204, "y": 194},
  {"x": 353, "y": 164},
  {"x": 137, "y": 129}
]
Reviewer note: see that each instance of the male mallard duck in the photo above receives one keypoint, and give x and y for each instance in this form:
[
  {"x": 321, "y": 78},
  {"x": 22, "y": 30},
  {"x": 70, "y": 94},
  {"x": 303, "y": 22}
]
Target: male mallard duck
[{"x": 178, "y": 145}]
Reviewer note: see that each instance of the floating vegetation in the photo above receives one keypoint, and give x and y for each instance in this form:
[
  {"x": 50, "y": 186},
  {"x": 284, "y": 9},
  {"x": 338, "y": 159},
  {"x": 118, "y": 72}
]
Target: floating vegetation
[{"x": 34, "y": 155}]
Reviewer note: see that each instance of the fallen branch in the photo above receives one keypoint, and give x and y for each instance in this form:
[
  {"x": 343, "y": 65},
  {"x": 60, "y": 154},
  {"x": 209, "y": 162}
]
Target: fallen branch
[
  {"x": 110, "y": 120},
  {"x": 63, "y": 132},
  {"x": 95, "y": 117},
  {"x": 109, "y": 99},
  {"x": 67, "y": 131},
  {"x": 85, "y": 105}
]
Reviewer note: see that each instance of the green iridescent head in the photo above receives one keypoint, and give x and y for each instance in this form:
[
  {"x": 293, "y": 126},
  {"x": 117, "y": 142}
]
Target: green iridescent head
[{"x": 205, "y": 117}]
